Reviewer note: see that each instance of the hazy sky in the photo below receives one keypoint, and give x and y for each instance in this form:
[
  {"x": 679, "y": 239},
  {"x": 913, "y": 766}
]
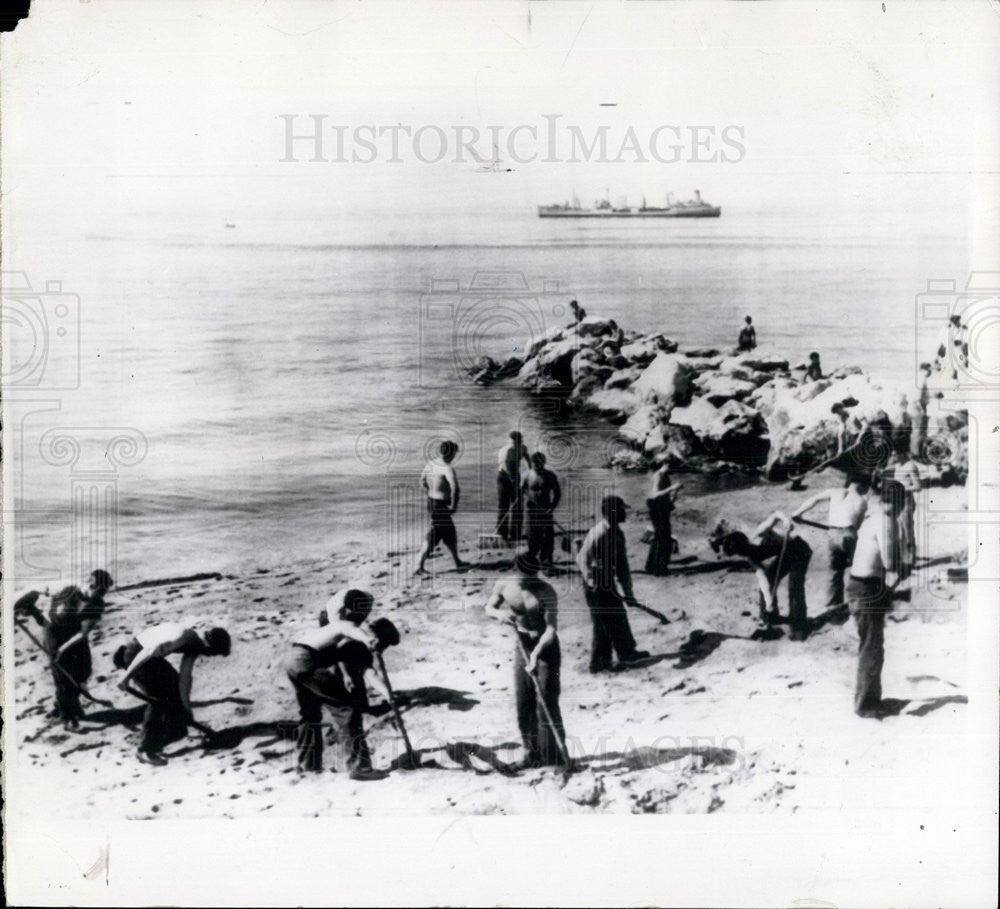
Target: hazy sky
[{"x": 169, "y": 106}]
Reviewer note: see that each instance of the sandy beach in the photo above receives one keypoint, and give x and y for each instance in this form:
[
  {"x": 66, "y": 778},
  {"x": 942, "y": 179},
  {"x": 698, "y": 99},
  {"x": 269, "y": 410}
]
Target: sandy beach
[{"x": 713, "y": 721}]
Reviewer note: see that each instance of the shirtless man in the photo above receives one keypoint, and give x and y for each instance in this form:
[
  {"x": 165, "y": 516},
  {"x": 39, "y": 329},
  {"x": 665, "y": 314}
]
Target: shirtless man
[
  {"x": 167, "y": 692},
  {"x": 530, "y": 604},
  {"x": 869, "y": 591},
  {"x": 846, "y": 511},
  {"x": 748, "y": 336},
  {"x": 542, "y": 495},
  {"x": 814, "y": 372},
  {"x": 441, "y": 485},
  {"x": 509, "y": 510},
  {"x": 327, "y": 665}
]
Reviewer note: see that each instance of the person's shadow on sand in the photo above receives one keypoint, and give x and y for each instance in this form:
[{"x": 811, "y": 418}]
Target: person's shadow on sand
[{"x": 699, "y": 646}]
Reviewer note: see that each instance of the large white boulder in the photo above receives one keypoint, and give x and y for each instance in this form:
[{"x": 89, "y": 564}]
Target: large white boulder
[
  {"x": 643, "y": 350},
  {"x": 718, "y": 388},
  {"x": 615, "y": 404},
  {"x": 667, "y": 380}
]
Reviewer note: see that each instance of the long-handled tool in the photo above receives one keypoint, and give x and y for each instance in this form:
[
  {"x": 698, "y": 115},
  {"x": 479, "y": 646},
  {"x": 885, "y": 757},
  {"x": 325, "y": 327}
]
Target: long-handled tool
[
  {"x": 649, "y": 609},
  {"x": 818, "y": 524},
  {"x": 191, "y": 721},
  {"x": 495, "y": 540},
  {"x": 563, "y": 753},
  {"x": 54, "y": 662},
  {"x": 412, "y": 759},
  {"x": 772, "y": 605}
]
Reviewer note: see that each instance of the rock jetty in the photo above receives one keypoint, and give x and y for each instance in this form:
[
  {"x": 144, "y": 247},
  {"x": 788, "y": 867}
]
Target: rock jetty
[{"x": 705, "y": 407}]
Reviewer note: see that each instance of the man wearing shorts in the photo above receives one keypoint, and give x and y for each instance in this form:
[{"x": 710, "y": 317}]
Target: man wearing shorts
[{"x": 441, "y": 486}]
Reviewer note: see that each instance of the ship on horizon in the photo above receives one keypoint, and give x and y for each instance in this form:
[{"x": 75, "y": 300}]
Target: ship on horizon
[{"x": 692, "y": 208}]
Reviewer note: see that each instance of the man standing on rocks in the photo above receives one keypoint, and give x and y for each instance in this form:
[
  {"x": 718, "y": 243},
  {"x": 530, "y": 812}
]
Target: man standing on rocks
[
  {"x": 602, "y": 560},
  {"x": 542, "y": 495},
  {"x": 509, "y": 510},
  {"x": 530, "y": 605},
  {"x": 748, "y": 336},
  {"x": 441, "y": 485},
  {"x": 847, "y": 508},
  {"x": 869, "y": 591},
  {"x": 327, "y": 665},
  {"x": 167, "y": 692}
]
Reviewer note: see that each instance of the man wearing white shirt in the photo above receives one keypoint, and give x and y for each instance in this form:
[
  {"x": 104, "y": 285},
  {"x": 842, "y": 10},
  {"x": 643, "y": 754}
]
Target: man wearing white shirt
[
  {"x": 846, "y": 511},
  {"x": 167, "y": 692},
  {"x": 869, "y": 591}
]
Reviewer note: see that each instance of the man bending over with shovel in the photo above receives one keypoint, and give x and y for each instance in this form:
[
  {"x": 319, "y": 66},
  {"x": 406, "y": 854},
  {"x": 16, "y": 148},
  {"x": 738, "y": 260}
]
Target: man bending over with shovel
[
  {"x": 66, "y": 629},
  {"x": 327, "y": 665},
  {"x": 167, "y": 693},
  {"x": 530, "y": 605},
  {"x": 773, "y": 556}
]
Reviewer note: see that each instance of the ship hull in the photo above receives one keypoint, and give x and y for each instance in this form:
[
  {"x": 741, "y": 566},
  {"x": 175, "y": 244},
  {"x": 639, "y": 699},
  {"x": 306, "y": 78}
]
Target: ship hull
[{"x": 708, "y": 211}]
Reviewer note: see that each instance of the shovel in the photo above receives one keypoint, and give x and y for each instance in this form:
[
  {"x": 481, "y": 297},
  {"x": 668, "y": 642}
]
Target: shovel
[
  {"x": 563, "y": 753},
  {"x": 412, "y": 759},
  {"x": 209, "y": 733}
]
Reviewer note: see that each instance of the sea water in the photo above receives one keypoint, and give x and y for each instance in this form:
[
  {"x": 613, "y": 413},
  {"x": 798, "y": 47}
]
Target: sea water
[{"x": 286, "y": 377}]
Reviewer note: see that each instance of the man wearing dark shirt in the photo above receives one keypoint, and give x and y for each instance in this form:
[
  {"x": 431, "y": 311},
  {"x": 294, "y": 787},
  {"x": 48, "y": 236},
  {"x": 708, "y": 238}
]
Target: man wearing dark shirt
[
  {"x": 71, "y": 617},
  {"x": 603, "y": 560}
]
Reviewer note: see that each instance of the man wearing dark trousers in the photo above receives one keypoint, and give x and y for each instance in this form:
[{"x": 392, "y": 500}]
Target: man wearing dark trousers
[
  {"x": 326, "y": 666},
  {"x": 847, "y": 508},
  {"x": 603, "y": 560},
  {"x": 869, "y": 591},
  {"x": 542, "y": 495},
  {"x": 530, "y": 604},
  {"x": 167, "y": 691},
  {"x": 72, "y": 615},
  {"x": 509, "y": 510}
]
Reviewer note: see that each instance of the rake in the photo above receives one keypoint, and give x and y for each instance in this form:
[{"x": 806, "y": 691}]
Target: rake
[{"x": 494, "y": 540}]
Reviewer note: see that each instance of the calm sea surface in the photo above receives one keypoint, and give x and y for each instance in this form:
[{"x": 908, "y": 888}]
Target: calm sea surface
[{"x": 288, "y": 376}]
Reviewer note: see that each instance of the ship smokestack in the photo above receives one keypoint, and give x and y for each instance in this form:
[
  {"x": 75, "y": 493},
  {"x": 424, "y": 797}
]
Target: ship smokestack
[{"x": 697, "y": 195}]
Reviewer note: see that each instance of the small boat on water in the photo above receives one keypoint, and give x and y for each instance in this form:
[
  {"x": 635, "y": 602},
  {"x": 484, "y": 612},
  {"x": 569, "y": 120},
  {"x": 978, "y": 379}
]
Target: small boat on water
[{"x": 692, "y": 208}]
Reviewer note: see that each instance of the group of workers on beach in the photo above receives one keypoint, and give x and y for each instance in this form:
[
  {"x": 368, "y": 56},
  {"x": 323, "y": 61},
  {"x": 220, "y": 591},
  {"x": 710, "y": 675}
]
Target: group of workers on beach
[{"x": 869, "y": 539}]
